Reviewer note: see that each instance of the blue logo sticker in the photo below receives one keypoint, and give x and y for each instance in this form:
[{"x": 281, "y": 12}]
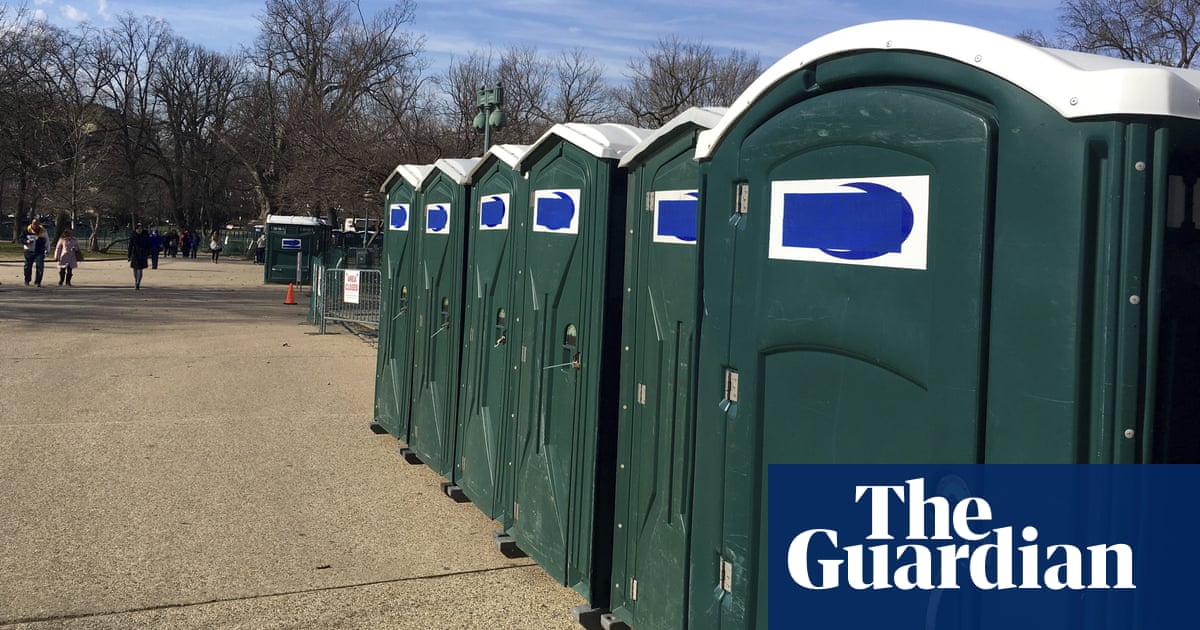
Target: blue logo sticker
[
  {"x": 555, "y": 211},
  {"x": 437, "y": 219},
  {"x": 398, "y": 217},
  {"x": 675, "y": 216},
  {"x": 848, "y": 225},
  {"x": 493, "y": 212}
]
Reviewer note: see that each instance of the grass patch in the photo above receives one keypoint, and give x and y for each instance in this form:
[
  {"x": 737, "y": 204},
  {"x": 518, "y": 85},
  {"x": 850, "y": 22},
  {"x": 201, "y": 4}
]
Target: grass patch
[{"x": 10, "y": 252}]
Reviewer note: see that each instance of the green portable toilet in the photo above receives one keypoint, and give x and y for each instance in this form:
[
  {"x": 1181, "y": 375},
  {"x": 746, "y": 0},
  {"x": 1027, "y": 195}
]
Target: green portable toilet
[
  {"x": 659, "y": 344},
  {"x": 927, "y": 243},
  {"x": 437, "y": 302},
  {"x": 292, "y": 242},
  {"x": 487, "y": 404},
  {"x": 569, "y": 355},
  {"x": 393, "y": 366}
]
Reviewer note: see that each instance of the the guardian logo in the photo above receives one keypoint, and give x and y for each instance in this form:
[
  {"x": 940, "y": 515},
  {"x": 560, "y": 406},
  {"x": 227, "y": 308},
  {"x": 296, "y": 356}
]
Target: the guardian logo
[{"x": 947, "y": 544}]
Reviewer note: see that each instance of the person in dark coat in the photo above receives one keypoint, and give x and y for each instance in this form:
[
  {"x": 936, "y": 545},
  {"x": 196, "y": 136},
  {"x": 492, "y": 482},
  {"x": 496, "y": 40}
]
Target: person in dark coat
[
  {"x": 34, "y": 242},
  {"x": 139, "y": 253}
]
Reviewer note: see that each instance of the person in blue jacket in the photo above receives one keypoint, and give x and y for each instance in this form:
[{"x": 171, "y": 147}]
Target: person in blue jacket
[{"x": 156, "y": 243}]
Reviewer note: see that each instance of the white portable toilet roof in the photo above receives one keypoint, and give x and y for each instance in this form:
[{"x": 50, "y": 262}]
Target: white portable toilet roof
[
  {"x": 510, "y": 154},
  {"x": 456, "y": 168},
  {"x": 287, "y": 219},
  {"x": 1076, "y": 85},
  {"x": 703, "y": 117},
  {"x": 414, "y": 174},
  {"x": 604, "y": 140}
]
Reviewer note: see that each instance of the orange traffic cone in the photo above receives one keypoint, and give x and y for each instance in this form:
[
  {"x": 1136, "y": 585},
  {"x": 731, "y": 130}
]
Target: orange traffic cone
[{"x": 291, "y": 296}]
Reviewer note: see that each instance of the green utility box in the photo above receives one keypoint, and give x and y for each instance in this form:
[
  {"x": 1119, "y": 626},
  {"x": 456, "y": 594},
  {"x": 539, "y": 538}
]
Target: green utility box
[
  {"x": 393, "y": 371},
  {"x": 656, "y": 425},
  {"x": 927, "y": 243},
  {"x": 438, "y": 304},
  {"x": 291, "y": 244},
  {"x": 487, "y": 399},
  {"x": 569, "y": 358}
]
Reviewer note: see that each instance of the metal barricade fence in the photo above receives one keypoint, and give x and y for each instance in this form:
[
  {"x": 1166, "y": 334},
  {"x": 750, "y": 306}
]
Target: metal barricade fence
[{"x": 345, "y": 295}]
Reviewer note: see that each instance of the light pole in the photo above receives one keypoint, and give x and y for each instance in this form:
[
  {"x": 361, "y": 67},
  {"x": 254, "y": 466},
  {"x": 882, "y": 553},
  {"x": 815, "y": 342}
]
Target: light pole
[{"x": 489, "y": 117}]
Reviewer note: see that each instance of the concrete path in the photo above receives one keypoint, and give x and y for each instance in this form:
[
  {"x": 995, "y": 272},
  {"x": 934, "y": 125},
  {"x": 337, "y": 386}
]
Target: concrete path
[{"x": 193, "y": 455}]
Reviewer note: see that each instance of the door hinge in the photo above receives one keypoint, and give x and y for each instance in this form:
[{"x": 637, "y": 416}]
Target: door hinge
[
  {"x": 641, "y": 393},
  {"x": 731, "y": 385},
  {"x": 516, "y": 509},
  {"x": 650, "y": 201},
  {"x": 726, "y": 576},
  {"x": 742, "y": 206},
  {"x": 633, "y": 589}
]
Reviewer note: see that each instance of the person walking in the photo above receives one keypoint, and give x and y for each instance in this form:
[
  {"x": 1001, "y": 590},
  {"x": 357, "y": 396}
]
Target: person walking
[
  {"x": 195, "y": 244},
  {"x": 214, "y": 245},
  {"x": 66, "y": 254},
  {"x": 156, "y": 244},
  {"x": 34, "y": 243},
  {"x": 185, "y": 243},
  {"x": 260, "y": 248},
  {"x": 139, "y": 252}
]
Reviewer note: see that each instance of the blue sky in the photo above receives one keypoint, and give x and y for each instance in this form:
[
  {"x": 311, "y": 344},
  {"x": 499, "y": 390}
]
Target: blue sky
[{"x": 612, "y": 31}]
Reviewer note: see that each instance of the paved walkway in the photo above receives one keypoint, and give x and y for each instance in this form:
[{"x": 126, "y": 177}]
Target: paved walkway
[{"x": 193, "y": 455}]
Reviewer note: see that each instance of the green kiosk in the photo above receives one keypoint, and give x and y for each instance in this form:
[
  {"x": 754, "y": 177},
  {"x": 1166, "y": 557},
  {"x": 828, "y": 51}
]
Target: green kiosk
[
  {"x": 569, "y": 357},
  {"x": 487, "y": 401},
  {"x": 928, "y": 243},
  {"x": 437, "y": 303},
  {"x": 656, "y": 422},
  {"x": 393, "y": 372}
]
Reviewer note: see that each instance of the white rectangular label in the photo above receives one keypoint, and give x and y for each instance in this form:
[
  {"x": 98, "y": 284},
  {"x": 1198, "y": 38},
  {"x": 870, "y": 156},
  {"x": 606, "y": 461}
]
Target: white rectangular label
[
  {"x": 350, "y": 287},
  {"x": 437, "y": 218},
  {"x": 675, "y": 216},
  {"x": 493, "y": 212},
  {"x": 556, "y": 211},
  {"x": 871, "y": 221}
]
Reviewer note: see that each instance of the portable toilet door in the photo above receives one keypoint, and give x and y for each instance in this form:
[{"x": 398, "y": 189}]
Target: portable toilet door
[
  {"x": 659, "y": 345},
  {"x": 566, "y": 416},
  {"x": 393, "y": 371},
  {"x": 924, "y": 243},
  {"x": 438, "y": 304},
  {"x": 487, "y": 400}
]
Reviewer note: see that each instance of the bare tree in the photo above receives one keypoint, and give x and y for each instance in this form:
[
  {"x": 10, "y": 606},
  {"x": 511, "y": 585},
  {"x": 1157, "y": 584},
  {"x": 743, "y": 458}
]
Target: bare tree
[
  {"x": 527, "y": 82},
  {"x": 460, "y": 84},
  {"x": 29, "y": 131},
  {"x": 677, "y": 74},
  {"x": 131, "y": 52},
  {"x": 74, "y": 74},
  {"x": 320, "y": 62},
  {"x": 582, "y": 94},
  {"x": 1163, "y": 32},
  {"x": 537, "y": 94},
  {"x": 196, "y": 87}
]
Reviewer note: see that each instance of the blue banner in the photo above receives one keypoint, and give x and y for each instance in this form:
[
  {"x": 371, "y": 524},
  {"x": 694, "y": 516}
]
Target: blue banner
[{"x": 990, "y": 547}]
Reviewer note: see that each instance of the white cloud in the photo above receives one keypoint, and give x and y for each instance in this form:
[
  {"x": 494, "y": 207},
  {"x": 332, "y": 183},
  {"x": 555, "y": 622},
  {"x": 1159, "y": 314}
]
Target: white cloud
[
  {"x": 72, "y": 14},
  {"x": 104, "y": 11}
]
